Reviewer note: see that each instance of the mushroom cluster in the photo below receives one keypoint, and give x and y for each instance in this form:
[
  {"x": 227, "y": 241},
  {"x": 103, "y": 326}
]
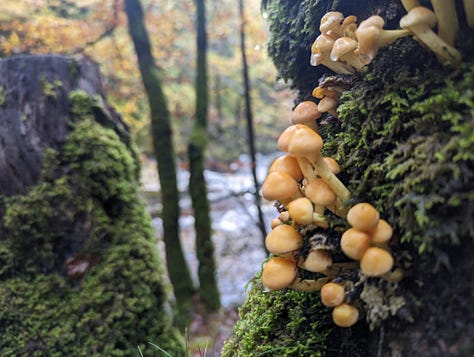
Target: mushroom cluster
[
  {"x": 345, "y": 47},
  {"x": 310, "y": 198}
]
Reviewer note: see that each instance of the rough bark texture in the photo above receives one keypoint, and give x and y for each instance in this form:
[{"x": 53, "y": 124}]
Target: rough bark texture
[
  {"x": 28, "y": 125},
  {"x": 80, "y": 274},
  {"x": 404, "y": 140},
  {"x": 164, "y": 153},
  {"x": 208, "y": 290}
]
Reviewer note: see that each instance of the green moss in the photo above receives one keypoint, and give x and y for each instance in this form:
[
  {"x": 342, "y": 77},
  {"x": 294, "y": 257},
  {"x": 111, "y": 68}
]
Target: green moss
[
  {"x": 405, "y": 143},
  {"x": 283, "y": 323},
  {"x": 50, "y": 88},
  {"x": 404, "y": 139},
  {"x": 86, "y": 206},
  {"x": 3, "y": 96}
]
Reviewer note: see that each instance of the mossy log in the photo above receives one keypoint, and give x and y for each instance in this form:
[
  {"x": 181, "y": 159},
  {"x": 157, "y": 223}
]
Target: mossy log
[
  {"x": 404, "y": 140},
  {"x": 80, "y": 273}
]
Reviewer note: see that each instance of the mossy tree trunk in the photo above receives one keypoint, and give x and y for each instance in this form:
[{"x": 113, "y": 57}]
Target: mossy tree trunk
[
  {"x": 403, "y": 138},
  {"x": 164, "y": 152},
  {"x": 208, "y": 290},
  {"x": 80, "y": 273}
]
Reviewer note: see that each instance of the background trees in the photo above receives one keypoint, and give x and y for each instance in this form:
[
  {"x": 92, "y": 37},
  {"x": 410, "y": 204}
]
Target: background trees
[{"x": 162, "y": 139}]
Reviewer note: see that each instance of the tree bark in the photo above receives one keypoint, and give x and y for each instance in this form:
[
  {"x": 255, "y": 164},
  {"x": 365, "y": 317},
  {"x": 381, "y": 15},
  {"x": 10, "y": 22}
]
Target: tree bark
[
  {"x": 164, "y": 152},
  {"x": 403, "y": 139},
  {"x": 208, "y": 289},
  {"x": 34, "y": 115}
]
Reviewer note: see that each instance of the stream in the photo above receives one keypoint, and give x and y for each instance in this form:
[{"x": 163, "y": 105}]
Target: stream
[{"x": 238, "y": 242}]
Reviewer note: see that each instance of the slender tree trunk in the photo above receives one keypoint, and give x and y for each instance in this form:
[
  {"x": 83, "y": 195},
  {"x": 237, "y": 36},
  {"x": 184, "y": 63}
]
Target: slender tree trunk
[
  {"x": 249, "y": 117},
  {"x": 204, "y": 246},
  {"x": 162, "y": 141}
]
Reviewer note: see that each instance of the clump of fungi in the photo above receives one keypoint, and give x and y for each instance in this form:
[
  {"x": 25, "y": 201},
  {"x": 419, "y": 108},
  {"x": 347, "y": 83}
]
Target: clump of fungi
[
  {"x": 309, "y": 249},
  {"x": 309, "y": 193},
  {"x": 346, "y": 48}
]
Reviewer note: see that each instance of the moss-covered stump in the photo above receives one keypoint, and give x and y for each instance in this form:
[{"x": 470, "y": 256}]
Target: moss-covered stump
[
  {"x": 404, "y": 139},
  {"x": 80, "y": 274}
]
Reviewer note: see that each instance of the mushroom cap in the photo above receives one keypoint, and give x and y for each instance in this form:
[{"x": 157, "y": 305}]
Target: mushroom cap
[
  {"x": 341, "y": 47},
  {"x": 345, "y": 315},
  {"x": 327, "y": 103},
  {"x": 354, "y": 243},
  {"x": 279, "y": 186},
  {"x": 320, "y": 92},
  {"x": 322, "y": 45},
  {"x": 304, "y": 112},
  {"x": 317, "y": 261},
  {"x": 278, "y": 273},
  {"x": 283, "y": 239},
  {"x": 417, "y": 16},
  {"x": 332, "y": 164},
  {"x": 305, "y": 142},
  {"x": 331, "y": 21},
  {"x": 285, "y": 136},
  {"x": 320, "y": 193},
  {"x": 287, "y": 164},
  {"x": 382, "y": 232},
  {"x": 301, "y": 210},
  {"x": 363, "y": 216},
  {"x": 376, "y": 261},
  {"x": 332, "y": 294}
]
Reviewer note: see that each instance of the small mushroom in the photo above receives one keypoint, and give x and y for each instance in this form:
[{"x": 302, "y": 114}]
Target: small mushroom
[
  {"x": 363, "y": 216},
  {"x": 317, "y": 261},
  {"x": 371, "y": 36},
  {"x": 420, "y": 22},
  {"x": 354, "y": 243},
  {"x": 283, "y": 239},
  {"x": 320, "y": 193},
  {"x": 349, "y": 26},
  {"x": 448, "y": 25},
  {"x": 331, "y": 24},
  {"x": 376, "y": 262},
  {"x": 329, "y": 105},
  {"x": 287, "y": 164},
  {"x": 332, "y": 164},
  {"x": 345, "y": 315},
  {"x": 332, "y": 294},
  {"x": 343, "y": 51},
  {"x": 279, "y": 186},
  {"x": 308, "y": 144},
  {"x": 320, "y": 52},
  {"x": 306, "y": 113},
  {"x": 381, "y": 233},
  {"x": 301, "y": 210},
  {"x": 278, "y": 273}
]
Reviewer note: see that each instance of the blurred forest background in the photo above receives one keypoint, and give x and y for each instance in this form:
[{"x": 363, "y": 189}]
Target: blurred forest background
[{"x": 99, "y": 30}]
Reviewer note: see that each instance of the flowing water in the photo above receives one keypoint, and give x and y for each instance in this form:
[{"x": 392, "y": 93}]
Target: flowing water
[{"x": 238, "y": 242}]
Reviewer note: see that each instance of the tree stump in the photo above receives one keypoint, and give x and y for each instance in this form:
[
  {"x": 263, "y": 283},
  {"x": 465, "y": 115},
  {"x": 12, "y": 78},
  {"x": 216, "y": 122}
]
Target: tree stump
[{"x": 80, "y": 272}]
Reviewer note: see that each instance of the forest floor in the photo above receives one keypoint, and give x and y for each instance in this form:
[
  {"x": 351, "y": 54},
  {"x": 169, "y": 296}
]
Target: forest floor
[{"x": 238, "y": 244}]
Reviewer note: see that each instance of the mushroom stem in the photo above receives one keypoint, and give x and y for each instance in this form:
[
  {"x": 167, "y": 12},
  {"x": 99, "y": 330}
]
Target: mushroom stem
[
  {"x": 393, "y": 276},
  {"x": 448, "y": 25},
  {"x": 410, "y": 4},
  {"x": 325, "y": 173},
  {"x": 469, "y": 11},
  {"x": 307, "y": 169},
  {"x": 419, "y": 21}
]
